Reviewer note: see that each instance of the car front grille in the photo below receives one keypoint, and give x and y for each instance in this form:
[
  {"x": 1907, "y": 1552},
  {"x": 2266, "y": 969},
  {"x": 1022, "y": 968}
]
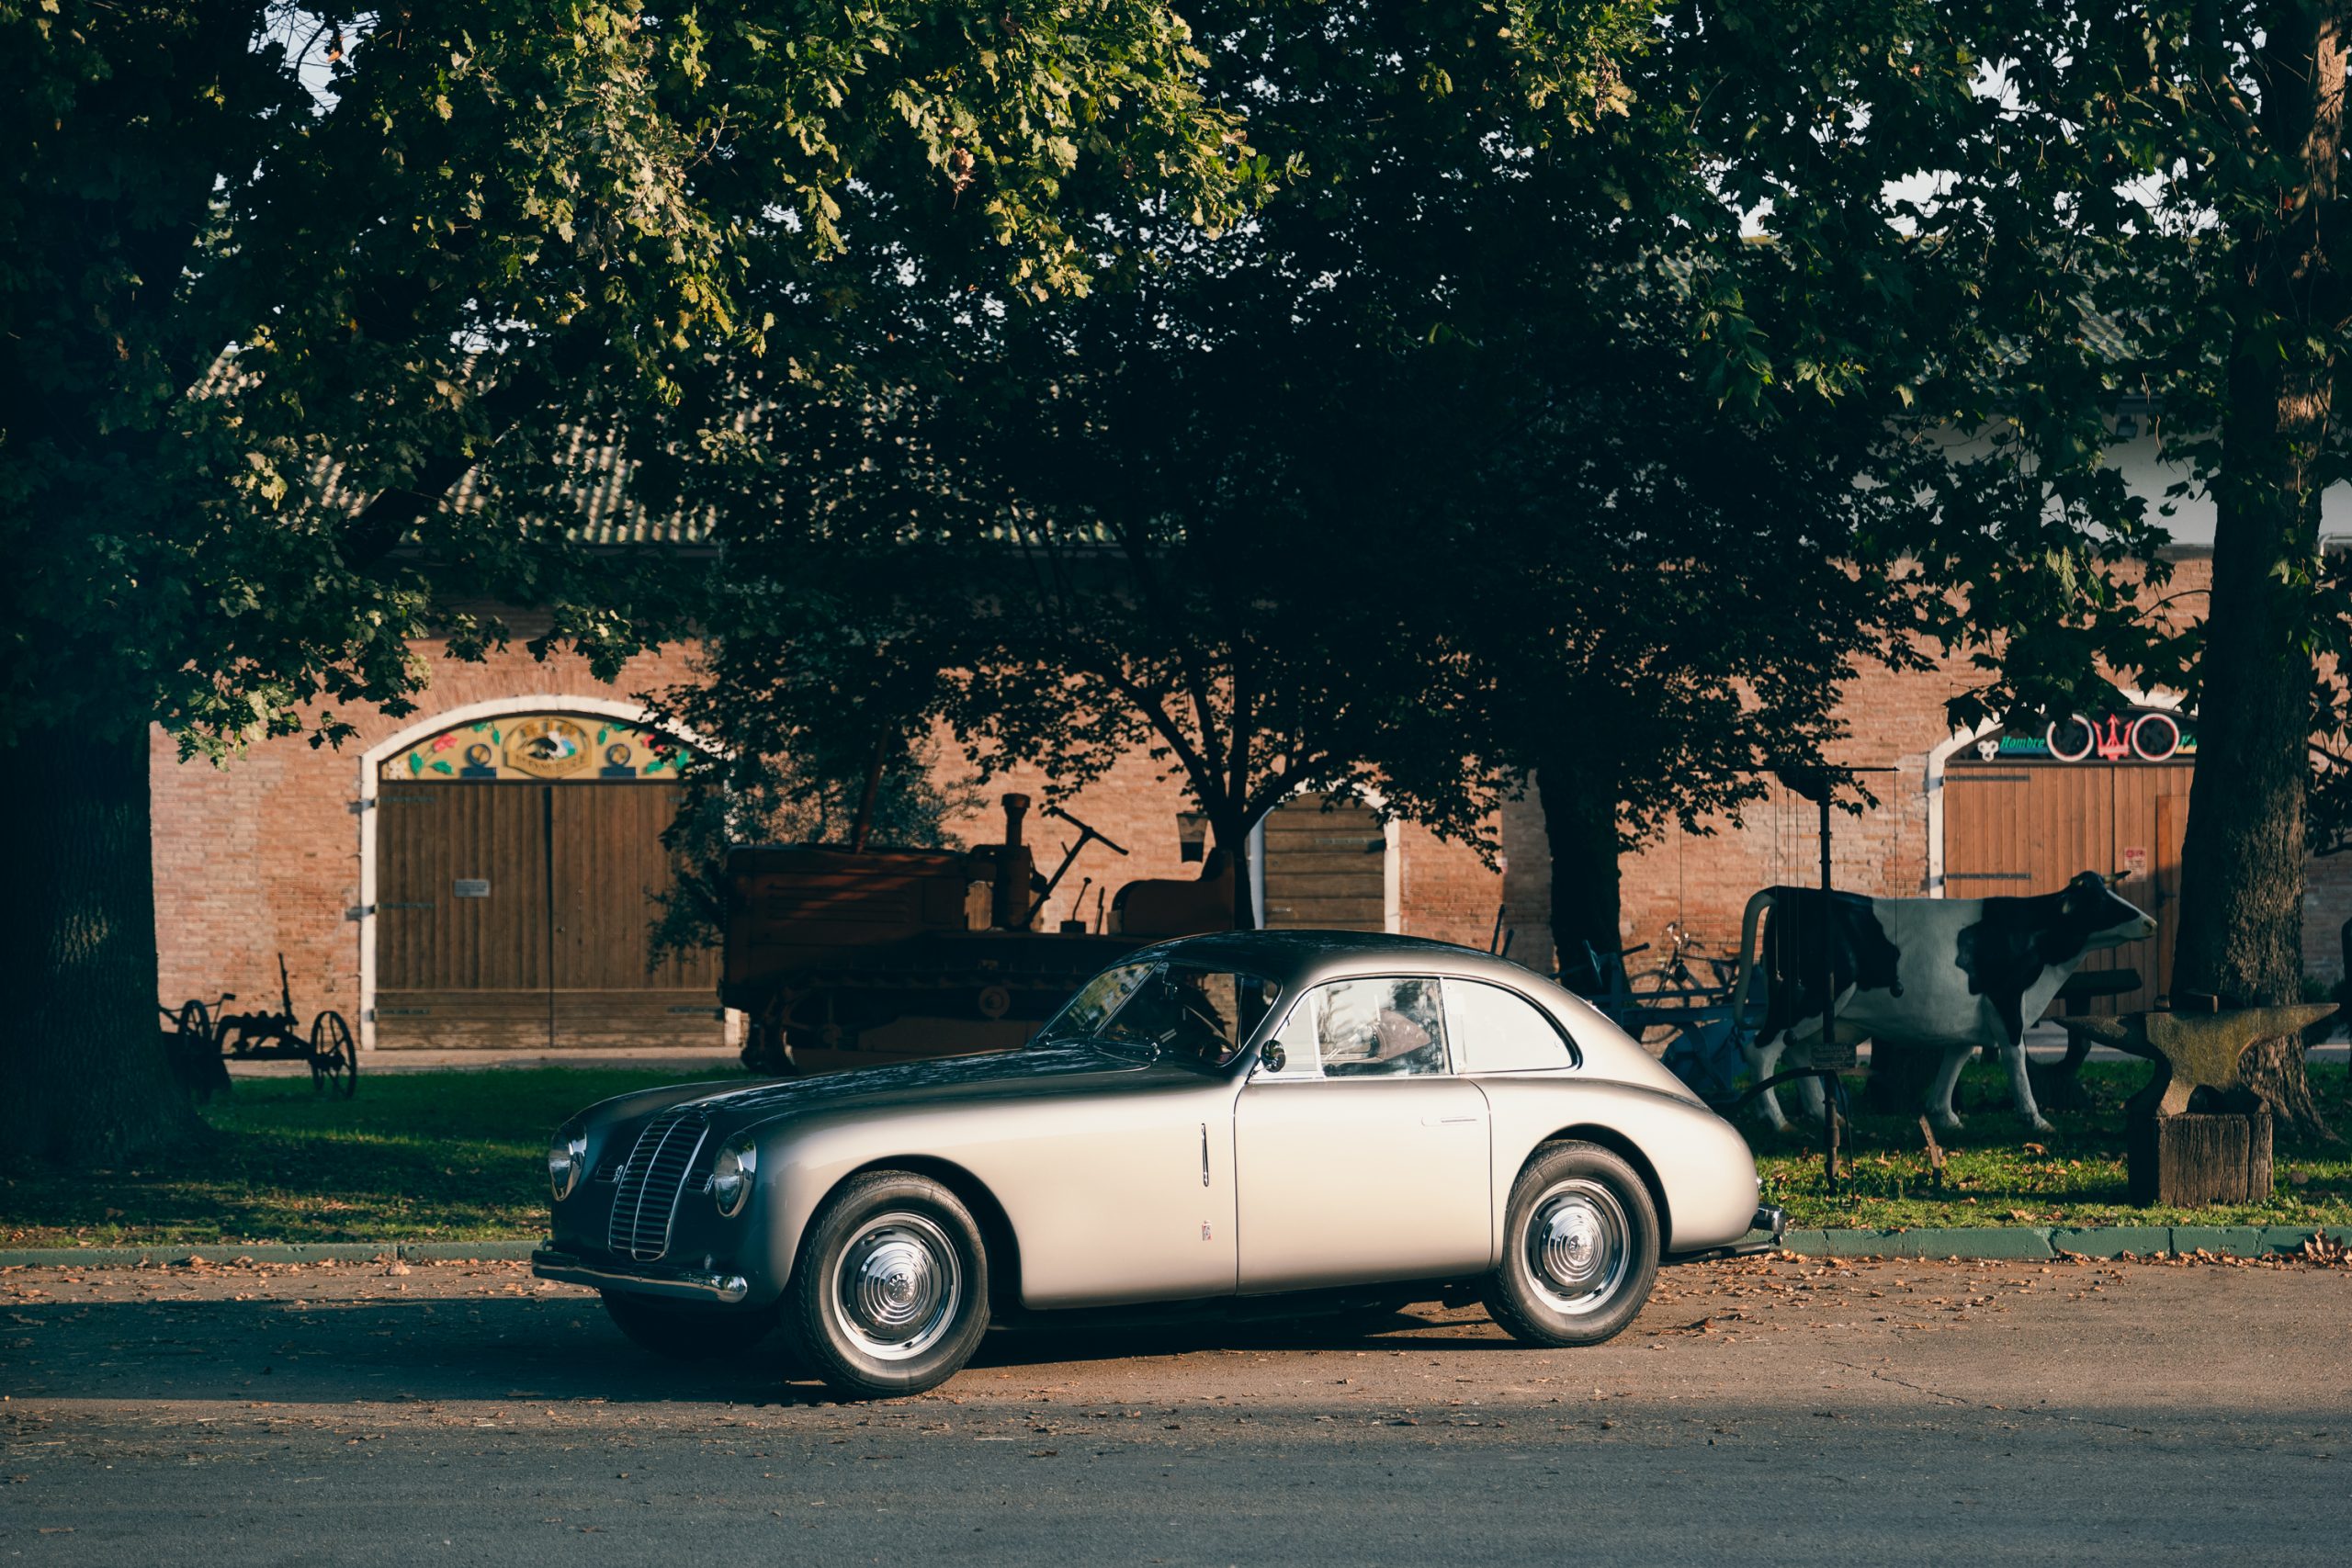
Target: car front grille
[{"x": 645, "y": 1199}]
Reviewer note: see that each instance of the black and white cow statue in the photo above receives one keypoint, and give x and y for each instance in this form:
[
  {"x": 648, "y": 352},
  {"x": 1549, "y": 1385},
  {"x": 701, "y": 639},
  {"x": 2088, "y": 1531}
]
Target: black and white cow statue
[{"x": 1929, "y": 974}]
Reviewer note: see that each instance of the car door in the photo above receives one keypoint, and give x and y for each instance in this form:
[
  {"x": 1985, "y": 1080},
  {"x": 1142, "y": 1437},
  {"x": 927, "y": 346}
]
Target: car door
[{"x": 1361, "y": 1157}]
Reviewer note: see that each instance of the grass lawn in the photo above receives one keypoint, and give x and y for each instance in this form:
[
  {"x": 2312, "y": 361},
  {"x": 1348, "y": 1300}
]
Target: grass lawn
[
  {"x": 1998, "y": 1171},
  {"x": 460, "y": 1157}
]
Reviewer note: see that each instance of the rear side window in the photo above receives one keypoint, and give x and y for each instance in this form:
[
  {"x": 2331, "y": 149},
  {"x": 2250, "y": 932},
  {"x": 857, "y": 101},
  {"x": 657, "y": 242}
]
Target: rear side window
[{"x": 1496, "y": 1030}]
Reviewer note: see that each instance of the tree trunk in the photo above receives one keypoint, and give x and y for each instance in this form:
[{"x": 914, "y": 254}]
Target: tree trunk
[
  {"x": 1580, "y": 825},
  {"x": 2242, "y": 865},
  {"x": 2243, "y": 858},
  {"x": 83, "y": 1074},
  {"x": 2242, "y": 861},
  {"x": 863, "y": 826},
  {"x": 1233, "y": 837},
  {"x": 2273, "y": 1069}
]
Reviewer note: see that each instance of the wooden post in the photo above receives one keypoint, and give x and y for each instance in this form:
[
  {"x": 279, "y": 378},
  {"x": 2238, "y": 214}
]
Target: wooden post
[{"x": 1935, "y": 1155}]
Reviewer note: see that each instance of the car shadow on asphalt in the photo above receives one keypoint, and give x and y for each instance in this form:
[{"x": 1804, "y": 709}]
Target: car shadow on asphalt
[
  {"x": 543, "y": 1348},
  {"x": 1036, "y": 1341}
]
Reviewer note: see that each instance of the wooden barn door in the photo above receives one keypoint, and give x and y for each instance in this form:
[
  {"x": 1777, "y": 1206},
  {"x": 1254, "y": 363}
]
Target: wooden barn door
[
  {"x": 462, "y": 927},
  {"x": 1326, "y": 870},
  {"x": 517, "y": 914},
  {"x": 608, "y": 868},
  {"x": 2013, "y": 828}
]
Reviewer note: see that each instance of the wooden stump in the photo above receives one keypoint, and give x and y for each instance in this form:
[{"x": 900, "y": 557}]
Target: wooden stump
[{"x": 2196, "y": 1159}]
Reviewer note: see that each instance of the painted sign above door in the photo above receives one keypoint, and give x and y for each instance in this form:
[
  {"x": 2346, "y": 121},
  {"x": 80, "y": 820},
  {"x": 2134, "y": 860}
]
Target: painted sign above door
[{"x": 547, "y": 746}]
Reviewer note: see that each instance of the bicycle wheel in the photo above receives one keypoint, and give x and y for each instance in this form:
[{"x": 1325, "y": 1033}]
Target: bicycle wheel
[
  {"x": 2155, "y": 737},
  {"x": 335, "y": 1056},
  {"x": 2071, "y": 738},
  {"x": 1667, "y": 985}
]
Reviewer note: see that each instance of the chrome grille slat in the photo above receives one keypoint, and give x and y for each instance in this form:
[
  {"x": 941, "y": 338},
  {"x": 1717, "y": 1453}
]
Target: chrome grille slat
[{"x": 645, "y": 1199}]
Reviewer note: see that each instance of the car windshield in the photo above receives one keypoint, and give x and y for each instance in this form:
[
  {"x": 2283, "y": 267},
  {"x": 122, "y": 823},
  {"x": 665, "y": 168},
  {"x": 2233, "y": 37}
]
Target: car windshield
[{"x": 1181, "y": 1012}]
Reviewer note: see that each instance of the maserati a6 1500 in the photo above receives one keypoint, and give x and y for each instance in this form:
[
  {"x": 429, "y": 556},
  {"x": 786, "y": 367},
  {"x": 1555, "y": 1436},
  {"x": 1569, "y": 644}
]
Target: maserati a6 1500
[{"x": 1228, "y": 1116}]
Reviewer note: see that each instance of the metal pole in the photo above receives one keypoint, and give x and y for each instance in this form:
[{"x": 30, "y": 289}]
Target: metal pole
[{"x": 1828, "y": 1004}]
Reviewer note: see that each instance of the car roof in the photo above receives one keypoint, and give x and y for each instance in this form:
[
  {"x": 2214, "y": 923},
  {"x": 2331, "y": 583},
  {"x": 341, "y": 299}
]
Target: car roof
[{"x": 1297, "y": 958}]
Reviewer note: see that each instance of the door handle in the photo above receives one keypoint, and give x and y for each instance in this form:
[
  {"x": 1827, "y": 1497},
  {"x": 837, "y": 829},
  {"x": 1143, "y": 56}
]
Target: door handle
[{"x": 1449, "y": 1120}]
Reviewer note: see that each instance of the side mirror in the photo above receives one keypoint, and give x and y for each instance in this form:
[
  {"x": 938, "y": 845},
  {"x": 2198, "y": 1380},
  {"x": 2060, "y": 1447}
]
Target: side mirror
[{"x": 1271, "y": 1057}]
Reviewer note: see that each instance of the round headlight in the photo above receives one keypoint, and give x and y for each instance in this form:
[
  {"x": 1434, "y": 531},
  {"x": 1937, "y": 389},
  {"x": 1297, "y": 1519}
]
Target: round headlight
[
  {"x": 731, "y": 1176},
  {"x": 567, "y": 1162}
]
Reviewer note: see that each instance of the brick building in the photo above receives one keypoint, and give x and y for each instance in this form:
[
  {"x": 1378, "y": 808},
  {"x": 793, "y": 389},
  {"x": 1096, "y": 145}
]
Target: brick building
[{"x": 321, "y": 854}]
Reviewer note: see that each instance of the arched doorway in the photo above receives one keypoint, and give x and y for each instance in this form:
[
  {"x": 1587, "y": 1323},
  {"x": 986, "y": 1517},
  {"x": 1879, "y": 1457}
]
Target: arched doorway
[{"x": 516, "y": 856}]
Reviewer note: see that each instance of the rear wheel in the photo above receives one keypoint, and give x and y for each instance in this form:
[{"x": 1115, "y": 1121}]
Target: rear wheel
[
  {"x": 1580, "y": 1249},
  {"x": 334, "y": 1059},
  {"x": 890, "y": 1293},
  {"x": 686, "y": 1333}
]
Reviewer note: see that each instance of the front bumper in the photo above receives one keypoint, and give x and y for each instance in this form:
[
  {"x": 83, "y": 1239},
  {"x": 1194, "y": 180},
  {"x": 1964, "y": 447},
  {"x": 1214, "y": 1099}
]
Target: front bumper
[{"x": 678, "y": 1284}]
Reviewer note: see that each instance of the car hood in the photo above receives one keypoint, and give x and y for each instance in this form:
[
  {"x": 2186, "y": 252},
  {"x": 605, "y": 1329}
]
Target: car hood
[{"x": 1032, "y": 1072}]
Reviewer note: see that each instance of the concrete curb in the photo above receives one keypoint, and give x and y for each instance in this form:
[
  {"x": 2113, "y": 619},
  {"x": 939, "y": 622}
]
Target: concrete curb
[
  {"x": 230, "y": 1252},
  {"x": 2005, "y": 1242},
  {"x": 2030, "y": 1242}
]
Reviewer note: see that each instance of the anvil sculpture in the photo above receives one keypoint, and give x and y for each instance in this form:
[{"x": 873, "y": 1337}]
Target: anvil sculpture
[{"x": 2191, "y": 1050}]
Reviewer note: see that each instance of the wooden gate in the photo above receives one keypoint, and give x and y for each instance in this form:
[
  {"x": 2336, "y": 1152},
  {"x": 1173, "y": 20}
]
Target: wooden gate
[
  {"x": 2012, "y": 829},
  {"x": 1326, "y": 870},
  {"x": 515, "y": 910}
]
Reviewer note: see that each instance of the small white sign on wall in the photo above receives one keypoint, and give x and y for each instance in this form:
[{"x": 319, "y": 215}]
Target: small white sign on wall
[{"x": 471, "y": 887}]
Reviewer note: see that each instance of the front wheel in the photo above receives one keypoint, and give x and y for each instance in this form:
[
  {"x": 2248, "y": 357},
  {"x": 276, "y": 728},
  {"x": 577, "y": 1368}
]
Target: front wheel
[
  {"x": 890, "y": 1293},
  {"x": 1580, "y": 1249}
]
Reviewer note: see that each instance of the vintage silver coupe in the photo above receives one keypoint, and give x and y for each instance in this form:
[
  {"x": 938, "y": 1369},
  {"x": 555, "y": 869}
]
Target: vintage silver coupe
[{"x": 1216, "y": 1118}]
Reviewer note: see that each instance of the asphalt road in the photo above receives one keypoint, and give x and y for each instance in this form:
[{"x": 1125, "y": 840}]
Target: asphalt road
[{"x": 1758, "y": 1413}]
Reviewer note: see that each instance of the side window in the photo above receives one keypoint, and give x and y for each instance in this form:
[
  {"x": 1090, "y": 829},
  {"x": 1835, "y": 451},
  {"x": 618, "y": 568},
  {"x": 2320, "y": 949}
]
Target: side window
[
  {"x": 1496, "y": 1030},
  {"x": 1386, "y": 1027}
]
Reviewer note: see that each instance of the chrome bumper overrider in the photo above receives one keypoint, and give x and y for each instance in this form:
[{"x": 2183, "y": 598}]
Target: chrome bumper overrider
[
  {"x": 1769, "y": 1218},
  {"x": 682, "y": 1283}
]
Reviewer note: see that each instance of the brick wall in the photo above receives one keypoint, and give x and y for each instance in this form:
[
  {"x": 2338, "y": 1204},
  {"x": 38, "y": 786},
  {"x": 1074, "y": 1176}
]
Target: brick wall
[
  {"x": 1897, "y": 720},
  {"x": 1445, "y": 892},
  {"x": 2327, "y": 904},
  {"x": 261, "y": 855},
  {"x": 1133, "y": 805}
]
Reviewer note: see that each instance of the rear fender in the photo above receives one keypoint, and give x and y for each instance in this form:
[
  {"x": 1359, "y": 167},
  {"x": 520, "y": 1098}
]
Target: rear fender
[{"x": 1698, "y": 1168}]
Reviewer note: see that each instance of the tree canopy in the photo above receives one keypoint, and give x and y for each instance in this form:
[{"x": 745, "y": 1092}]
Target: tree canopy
[
  {"x": 309, "y": 319},
  {"x": 1434, "y": 469},
  {"x": 2069, "y": 205}
]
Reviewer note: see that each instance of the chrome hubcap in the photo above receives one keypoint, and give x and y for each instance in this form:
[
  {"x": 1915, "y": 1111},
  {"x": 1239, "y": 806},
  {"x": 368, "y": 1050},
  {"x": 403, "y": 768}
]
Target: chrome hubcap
[
  {"x": 897, "y": 1286},
  {"x": 1578, "y": 1245}
]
